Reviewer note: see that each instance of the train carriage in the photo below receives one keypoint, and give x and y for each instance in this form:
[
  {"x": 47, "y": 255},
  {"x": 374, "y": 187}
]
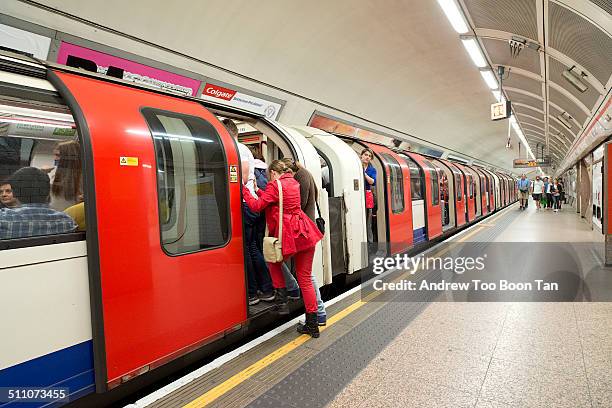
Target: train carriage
[{"x": 154, "y": 278}]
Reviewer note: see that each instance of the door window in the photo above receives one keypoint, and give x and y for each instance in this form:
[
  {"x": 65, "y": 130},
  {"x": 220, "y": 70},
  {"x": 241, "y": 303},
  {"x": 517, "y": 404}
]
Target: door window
[{"x": 192, "y": 182}]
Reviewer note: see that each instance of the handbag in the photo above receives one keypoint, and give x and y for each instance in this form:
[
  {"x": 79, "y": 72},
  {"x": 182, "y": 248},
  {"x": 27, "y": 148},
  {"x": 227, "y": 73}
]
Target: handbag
[
  {"x": 369, "y": 198},
  {"x": 273, "y": 246},
  {"x": 319, "y": 220}
]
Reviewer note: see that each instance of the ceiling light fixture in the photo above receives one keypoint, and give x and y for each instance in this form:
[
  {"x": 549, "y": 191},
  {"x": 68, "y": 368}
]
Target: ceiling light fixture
[
  {"x": 471, "y": 46},
  {"x": 576, "y": 79},
  {"x": 454, "y": 15},
  {"x": 565, "y": 118},
  {"x": 489, "y": 78}
]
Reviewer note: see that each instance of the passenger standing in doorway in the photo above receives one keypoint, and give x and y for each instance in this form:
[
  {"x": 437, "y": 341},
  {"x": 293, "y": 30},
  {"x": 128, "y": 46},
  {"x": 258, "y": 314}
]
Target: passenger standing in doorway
[
  {"x": 261, "y": 180},
  {"x": 300, "y": 236},
  {"x": 538, "y": 189},
  {"x": 308, "y": 203},
  {"x": 369, "y": 177},
  {"x": 523, "y": 186},
  {"x": 258, "y": 277}
]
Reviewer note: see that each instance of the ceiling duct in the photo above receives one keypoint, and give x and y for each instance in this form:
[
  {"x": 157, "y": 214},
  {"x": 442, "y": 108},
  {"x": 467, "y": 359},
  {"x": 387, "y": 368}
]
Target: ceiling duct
[
  {"x": 565, "y": 119},
  {"x": 576, "y": 79}
]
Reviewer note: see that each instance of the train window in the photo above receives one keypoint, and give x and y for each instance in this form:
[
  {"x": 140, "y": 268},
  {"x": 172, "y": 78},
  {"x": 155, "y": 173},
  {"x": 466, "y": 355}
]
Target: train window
[
  {"x": 471, "y": 186},
  {"x": 435, "y": 190},
  {"x": 435, "y": 183},
  {"x": 397, "y": 184},
  {"x": 458, "y": 186},
  {"x": 41, "y": 187},
  {"x": 416, "y": 179},
  {"x": 191, "y": 182}
]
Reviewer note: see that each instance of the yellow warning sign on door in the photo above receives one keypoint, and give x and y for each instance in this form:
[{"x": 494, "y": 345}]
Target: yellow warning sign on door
[
  {"x": 233, "y": 173},
  {"x": 128, "y": 161}
]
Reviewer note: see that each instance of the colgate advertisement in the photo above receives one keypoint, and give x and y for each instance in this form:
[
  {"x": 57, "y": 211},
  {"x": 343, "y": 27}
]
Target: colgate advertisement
[
  {"x": 231, "y": 97},
  {"x": 218, "y": 92}
]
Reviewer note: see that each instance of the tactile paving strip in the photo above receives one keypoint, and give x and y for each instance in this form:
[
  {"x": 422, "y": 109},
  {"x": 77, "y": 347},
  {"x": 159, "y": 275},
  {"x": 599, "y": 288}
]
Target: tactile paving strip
[{"x": 321, "y": 378}]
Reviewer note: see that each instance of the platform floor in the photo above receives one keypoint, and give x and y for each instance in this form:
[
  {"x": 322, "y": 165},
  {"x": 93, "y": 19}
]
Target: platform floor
[{"x": 422, "y": 354}]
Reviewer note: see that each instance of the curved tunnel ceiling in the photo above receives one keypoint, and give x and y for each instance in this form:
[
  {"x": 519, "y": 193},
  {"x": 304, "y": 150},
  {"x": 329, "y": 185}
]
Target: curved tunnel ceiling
[
  {"x": 556, "y": 35},
  {"x": 398, "y": 64}
]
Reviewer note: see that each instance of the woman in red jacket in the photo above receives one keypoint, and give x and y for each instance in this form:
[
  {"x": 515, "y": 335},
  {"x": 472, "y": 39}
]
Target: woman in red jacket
[{"x": 300, "y": 235}]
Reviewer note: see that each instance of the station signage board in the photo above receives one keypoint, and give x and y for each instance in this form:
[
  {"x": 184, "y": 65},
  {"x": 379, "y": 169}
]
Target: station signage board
[
  {"x": 501, "y": 110},
  {"x": 241, "y": 100},
  {"x": 528, "y": 163},
  {"x": 523, "y": 163}
]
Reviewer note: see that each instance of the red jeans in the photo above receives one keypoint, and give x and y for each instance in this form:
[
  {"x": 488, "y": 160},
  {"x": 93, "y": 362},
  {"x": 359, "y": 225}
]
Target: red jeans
[{"x": 303, "y": 270}]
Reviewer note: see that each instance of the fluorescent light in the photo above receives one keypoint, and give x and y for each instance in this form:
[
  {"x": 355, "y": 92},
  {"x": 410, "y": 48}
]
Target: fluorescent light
[
  {"x": 454, "y": 15},
  {"x": 489, "y": 78},
  {"x": 472, "y": 47}
]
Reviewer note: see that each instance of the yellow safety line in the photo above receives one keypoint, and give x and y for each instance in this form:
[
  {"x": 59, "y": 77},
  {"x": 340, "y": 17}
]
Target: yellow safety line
[
  {"x": 256, "y": 367},
  {"x": 259, "y": 365}
]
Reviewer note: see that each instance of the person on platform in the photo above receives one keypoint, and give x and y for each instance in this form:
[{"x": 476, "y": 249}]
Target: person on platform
[
  {"x": 523, "y": 187},
  {"x": 308, "y": 199},
  {"x": 299, "y": 238},
  {"x": 537, "y": 190}
]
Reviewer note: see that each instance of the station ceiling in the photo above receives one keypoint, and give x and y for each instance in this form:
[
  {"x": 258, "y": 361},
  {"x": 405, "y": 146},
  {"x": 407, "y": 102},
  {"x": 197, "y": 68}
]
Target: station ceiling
[{"x": 398, "y": 63}]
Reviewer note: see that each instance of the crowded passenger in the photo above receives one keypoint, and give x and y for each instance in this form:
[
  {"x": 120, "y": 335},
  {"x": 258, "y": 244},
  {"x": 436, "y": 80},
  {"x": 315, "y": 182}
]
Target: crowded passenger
[
  {"x": 308, "y": 202},
  {"x": 537, "y": 190},
  {"x": 523, "y": 187},
  {"x": 298, "y": 239},
  {"x": 7, "y": 198},
  {"x": 325, "y": 175},
  {"x": 369, "y": 176},
  {"x": 33, "y": 217},
  {"x": 66, "y": 188},
  {"x": 259, "y": 282}
]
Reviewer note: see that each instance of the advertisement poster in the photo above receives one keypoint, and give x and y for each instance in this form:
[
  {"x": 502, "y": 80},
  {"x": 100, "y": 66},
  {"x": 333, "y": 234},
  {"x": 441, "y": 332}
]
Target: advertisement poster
[
  {"x": 21, "y": 40},
  {"x": 340, "y": 128},
  {"x": 236, "y": 99},
  {"x": 133, "y": 71}
]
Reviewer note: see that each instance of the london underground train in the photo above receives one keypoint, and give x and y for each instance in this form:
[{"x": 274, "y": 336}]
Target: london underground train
[{"x": 154, "y": 276}]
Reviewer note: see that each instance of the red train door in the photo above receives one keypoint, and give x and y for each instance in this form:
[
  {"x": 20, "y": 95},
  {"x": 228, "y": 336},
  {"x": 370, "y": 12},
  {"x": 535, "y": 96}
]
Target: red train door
[
  {"x": 432, "y": 194},
  {"x": 460, "y": 209},
  {"x": 399, "y": 201},
  {"x": 468, "y": 192},
  {"x": 164, "y": 225},
  {"x": 502, "y": 189},
  {"x": 484, "y": 190},
  {"x": 490, "y": 181}
]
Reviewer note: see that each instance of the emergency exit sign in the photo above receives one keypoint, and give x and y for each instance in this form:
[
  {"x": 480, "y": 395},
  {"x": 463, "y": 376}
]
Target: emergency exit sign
[{"x": 500, "y": 110}]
